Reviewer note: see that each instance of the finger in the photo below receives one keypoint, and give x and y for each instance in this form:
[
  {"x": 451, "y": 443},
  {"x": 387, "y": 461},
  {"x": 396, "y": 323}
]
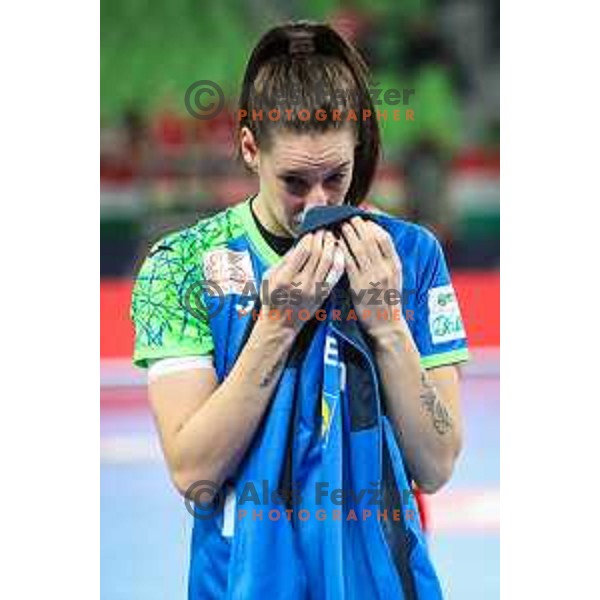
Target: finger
[
  {"x": 383, "y": 240},
  {"x": 359, "y": 226},
  {"x": 386, "y": 246},
  {"x": 365, "y": 231},
  {"x": 326, "y": 258},
  {"x": 315, "y": 253},
  {"x": 356, "y": 246},
  {"x": 350, "y": 263},
  {"x": 297, "y": 257}
]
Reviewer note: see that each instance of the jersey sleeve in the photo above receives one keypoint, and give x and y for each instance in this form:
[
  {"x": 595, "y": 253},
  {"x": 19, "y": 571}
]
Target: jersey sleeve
[
  {"x": 438, "y": 331},
  {"x": 165, "y": 325}
]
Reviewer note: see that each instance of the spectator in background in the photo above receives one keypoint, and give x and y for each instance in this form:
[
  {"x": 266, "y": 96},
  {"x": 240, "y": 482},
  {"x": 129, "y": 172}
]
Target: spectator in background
[
  {"x": 169, "y": 129},
  {"x": 426, "y": 170},
  {"x": 352, "y": 24},
  {"x": 425, "y": 47},
  {"x": 136, "y": 135},
  {"x": 439, "y": 80},
  {"x": 169, "y": 149}
]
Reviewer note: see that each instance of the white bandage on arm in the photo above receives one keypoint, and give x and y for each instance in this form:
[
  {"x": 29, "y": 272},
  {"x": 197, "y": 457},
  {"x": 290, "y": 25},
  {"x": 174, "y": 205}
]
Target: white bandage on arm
[{"x": 164, "y": 366}]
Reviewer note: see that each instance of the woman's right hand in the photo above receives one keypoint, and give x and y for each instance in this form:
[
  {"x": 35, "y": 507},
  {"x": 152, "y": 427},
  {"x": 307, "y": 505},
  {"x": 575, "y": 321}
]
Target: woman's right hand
[{"x": 299, "y": 285}]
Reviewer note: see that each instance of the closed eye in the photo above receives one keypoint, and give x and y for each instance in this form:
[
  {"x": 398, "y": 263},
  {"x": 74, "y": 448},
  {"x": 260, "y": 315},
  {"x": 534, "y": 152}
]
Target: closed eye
[
  {"x": 335, "y": 179},
  {"x": 296, "y": 185},
  {"x": 293, "y": 180}
]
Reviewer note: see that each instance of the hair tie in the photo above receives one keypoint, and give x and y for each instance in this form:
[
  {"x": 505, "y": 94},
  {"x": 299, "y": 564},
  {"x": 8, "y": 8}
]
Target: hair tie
[{"x": 301, "y": 42}]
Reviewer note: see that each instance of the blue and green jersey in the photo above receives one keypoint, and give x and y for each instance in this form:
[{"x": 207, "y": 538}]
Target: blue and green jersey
[{"x": 229, "y": 249}]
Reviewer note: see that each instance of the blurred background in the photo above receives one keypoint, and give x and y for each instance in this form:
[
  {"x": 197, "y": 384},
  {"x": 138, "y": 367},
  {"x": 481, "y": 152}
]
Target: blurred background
[{"x": 161, "y": 169}]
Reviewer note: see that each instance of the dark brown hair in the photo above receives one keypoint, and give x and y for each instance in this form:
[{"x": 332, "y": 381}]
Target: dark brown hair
[{"x": 310, "y": 66}]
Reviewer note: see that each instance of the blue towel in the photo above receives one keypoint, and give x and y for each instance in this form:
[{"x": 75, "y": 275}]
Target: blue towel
[{"x": 325, "y": 430}]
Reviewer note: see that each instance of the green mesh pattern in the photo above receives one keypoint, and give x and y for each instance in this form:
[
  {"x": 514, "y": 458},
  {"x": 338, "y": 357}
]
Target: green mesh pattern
[{"x": 163, "y": 326}]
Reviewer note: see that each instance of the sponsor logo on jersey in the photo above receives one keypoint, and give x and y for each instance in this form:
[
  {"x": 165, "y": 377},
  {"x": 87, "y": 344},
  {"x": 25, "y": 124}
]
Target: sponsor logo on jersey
[
  {"x": 230, "y": 270},
  {"x": 445, "y": 322}
]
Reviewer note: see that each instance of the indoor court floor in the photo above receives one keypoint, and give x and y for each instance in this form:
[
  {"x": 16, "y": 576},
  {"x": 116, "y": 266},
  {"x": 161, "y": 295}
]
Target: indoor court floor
[{"x": 145, "y": 529}]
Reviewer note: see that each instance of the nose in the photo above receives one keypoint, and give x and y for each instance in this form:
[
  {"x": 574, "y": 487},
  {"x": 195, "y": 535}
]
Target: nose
[{"x": 316, "y": 197}]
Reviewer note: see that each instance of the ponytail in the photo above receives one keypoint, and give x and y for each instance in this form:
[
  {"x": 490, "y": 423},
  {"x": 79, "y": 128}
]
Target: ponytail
[{"x": 329, "y": 74}]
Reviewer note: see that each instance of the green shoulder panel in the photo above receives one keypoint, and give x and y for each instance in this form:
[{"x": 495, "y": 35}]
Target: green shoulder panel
[
  {"x": 164, "y": 327},
  {"x": 445, "y": 358}
]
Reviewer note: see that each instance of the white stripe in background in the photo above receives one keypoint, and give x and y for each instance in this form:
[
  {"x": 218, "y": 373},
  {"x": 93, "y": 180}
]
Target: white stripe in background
[
  {"x": 472, "y": 510},
  {"x": 127, "y": 449},
  {"x": 457, "y": 511},
  {"x": 117, "y": 372}
]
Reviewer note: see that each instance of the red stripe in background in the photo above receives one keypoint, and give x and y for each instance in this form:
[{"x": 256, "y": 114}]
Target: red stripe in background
[
  {"x": 116, "y": 330},
  {"x": 479, "y": 296},
  {"x": 478, "y": 293}
]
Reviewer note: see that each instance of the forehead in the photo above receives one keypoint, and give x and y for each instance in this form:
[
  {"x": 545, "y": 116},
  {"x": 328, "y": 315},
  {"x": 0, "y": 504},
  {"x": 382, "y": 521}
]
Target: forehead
[{"x": 311, "y": 150}]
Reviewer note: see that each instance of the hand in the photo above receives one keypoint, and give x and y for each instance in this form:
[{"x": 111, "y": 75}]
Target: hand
[
  {"x": 371, "y": 263},
  {"x": 299, "y": 285}
]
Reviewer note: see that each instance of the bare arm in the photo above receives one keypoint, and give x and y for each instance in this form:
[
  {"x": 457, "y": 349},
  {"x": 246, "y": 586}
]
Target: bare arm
[
  {"x": 206, "y": 428},
  {"x": 423, "y": 406}
]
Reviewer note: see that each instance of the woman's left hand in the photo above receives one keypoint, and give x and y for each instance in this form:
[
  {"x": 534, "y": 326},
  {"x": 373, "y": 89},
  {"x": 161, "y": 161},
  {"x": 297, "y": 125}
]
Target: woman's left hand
[{"x": 372, "y": 263}]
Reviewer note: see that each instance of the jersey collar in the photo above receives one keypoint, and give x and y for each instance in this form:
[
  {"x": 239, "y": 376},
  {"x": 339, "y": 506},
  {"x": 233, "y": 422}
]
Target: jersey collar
[{"x": 262, "y": 248}]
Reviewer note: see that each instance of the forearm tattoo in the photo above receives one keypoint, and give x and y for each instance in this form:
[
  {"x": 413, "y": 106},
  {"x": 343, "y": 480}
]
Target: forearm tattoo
[
  {"x": 434, "y": 406},
  {"x": 267, "y": 376}
]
